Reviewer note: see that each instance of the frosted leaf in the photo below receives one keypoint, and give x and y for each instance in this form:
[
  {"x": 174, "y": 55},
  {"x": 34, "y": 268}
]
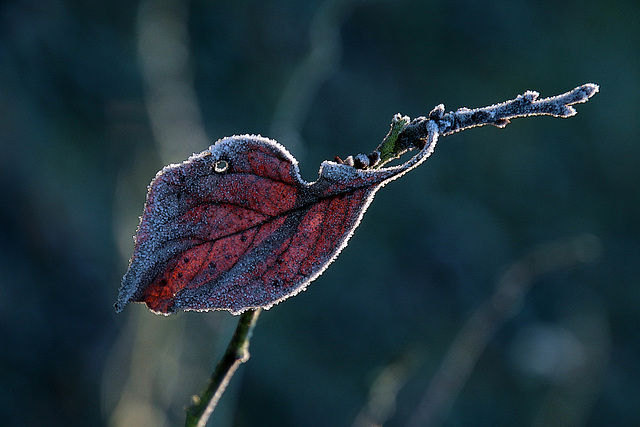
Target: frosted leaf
[{"x": 236, "y": 227}]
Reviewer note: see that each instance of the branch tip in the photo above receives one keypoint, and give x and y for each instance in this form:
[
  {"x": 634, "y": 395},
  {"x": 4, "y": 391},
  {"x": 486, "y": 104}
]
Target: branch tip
[{"x": 588, "y": 89}]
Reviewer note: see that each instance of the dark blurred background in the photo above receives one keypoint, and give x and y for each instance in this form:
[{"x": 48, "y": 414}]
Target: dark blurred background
[{"x": 95, "y": 97}]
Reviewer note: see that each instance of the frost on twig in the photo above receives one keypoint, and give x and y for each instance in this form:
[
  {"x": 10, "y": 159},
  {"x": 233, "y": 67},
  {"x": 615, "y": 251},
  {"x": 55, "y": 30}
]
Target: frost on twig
[
  {"x": 407, "y": 134},
  {"x": 524, "y": 105}
]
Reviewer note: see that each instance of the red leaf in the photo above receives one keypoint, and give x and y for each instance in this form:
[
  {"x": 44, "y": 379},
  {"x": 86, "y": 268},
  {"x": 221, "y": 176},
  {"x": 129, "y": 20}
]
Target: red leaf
[{"x": 236, "y": 227}]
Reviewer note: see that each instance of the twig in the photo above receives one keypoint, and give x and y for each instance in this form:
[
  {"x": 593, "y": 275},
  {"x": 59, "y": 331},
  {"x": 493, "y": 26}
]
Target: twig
[
  {"x": 407, "y": 134},
  {"x": 237, "y": 353},
  {"x": 524, "y": 105},
  {"x": 474, "y": 336}
]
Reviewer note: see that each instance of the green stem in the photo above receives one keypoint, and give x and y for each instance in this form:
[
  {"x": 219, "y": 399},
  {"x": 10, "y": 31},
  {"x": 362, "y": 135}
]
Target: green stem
[
  {"x": 237, "y": 353},
  {"x": 390, "y": 148}
]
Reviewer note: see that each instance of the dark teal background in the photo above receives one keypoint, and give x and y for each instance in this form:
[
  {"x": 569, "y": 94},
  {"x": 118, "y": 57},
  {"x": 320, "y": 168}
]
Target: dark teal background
[{"x": 95, "y": 97}]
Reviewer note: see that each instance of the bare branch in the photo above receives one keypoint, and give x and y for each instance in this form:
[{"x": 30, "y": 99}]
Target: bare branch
[{"x": 499, "y": 115}]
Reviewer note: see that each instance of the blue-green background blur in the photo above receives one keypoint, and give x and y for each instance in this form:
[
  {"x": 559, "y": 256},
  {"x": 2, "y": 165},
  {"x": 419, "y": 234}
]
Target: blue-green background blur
[{"x": 96, "y": 96}]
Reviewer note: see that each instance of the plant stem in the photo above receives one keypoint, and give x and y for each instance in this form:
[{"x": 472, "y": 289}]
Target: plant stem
[{"x": 237, "y": 353}]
